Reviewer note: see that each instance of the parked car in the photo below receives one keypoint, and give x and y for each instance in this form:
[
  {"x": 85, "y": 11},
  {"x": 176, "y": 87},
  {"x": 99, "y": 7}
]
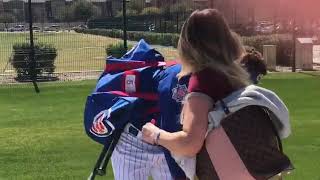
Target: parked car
[
  {"x": 36, "y": 29},
  {"x": 18, "y": 27},
  {"x": 265, "y": 27},
  {"x": 81, "y": 26},
  {"x": 55, "y": 27}
]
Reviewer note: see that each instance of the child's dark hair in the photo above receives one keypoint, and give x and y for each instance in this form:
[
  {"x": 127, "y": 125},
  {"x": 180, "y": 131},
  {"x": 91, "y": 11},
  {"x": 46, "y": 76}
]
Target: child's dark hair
[{"x": 253, "y": 62}]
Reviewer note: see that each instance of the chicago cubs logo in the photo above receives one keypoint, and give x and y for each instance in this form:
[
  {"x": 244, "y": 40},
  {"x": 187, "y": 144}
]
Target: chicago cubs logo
[
  {"x": 179, "y": 92},
  {"x": 101, "y": 127}
]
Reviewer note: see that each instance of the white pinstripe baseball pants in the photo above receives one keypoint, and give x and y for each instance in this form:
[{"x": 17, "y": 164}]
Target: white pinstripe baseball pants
[{"x": 133, "y": 159}]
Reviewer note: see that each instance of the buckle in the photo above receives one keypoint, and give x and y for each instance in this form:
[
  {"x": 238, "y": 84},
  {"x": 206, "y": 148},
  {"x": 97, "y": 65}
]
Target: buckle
[{"x": 132, "y": 130}]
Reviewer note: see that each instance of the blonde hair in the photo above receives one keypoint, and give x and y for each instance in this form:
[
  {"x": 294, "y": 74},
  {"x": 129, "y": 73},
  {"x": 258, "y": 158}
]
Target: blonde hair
[{"x": 206, "y": 41}]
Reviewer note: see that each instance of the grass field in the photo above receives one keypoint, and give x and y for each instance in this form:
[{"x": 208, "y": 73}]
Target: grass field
[
  {"x": 42, "y": 136},
  {"x": 76, "y": 52}
]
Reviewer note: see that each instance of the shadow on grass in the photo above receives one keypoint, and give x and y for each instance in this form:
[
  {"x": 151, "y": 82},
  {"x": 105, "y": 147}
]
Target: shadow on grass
[{"x": 311, "y": 73}]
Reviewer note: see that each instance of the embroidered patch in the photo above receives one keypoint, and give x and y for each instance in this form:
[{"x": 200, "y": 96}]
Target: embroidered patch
[
  {"x": 179, "y": 92},
  {"x": 101, "y": 127},
  {"x": 130, "y": 84}
]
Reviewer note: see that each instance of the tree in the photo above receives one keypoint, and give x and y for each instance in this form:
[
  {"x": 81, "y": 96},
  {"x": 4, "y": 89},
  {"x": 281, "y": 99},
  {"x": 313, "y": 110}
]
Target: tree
[
  {"x": 179, "y": 10},
  {"x": 136, "y": 5},
  {"x": 7, "y": 18},
  {"x": 182, "y": 6},
  {"x": 83, "y": 10},
  {"x": 130, "y": 12},
  {"x": 151, "y": 11},
  {"x": 66, "y": 15}
]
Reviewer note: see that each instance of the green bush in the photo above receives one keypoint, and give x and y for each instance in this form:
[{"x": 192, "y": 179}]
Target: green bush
[
  {"x": 151, "y": 11},
  {"x": 283, "y": 42},
  {"x": 44, "y": 57},
  {"x": 117, "y": 50},
  {"x": 135, "y": 22},
  {"x": 165, "y": 39},
  {"x": 175, "y": 40}
]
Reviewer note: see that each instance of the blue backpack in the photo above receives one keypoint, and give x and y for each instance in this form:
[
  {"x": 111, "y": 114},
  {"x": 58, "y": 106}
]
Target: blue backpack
[{"x": 126, "y": 92}]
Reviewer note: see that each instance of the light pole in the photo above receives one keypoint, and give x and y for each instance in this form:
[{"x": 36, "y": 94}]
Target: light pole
[
  {"x": 32, "y": 53},
  {"x": 211, "y": 4},
  {"x": 294, "y": 36},
  {"x": 235, "y": 11},
  {"x": 124, "y": 15}
]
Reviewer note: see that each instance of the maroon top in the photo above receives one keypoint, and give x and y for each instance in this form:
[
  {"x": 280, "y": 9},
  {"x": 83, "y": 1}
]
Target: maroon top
[{"x": 211, "y": 83}]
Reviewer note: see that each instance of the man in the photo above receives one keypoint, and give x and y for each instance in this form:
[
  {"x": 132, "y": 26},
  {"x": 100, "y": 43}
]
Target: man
[
  {"x": 126, "y": 98},
  {"x": 135, "y": 159}
]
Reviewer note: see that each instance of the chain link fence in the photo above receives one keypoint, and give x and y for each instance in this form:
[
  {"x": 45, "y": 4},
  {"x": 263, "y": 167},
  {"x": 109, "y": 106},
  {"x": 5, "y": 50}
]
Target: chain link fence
[
  {"x": 63, "y": 48},
  {"x": 71, "y": 36},
  {"x": 60, "y": 53}
]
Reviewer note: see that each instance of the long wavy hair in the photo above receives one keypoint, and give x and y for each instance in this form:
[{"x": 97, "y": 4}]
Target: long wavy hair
[{"x": 206, "y": 41}]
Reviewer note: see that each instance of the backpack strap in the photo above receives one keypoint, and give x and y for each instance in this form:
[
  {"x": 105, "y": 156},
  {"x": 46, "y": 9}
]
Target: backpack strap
[
  {"x": 129, "y": 65},
  {"x": 225, "y": 107}
]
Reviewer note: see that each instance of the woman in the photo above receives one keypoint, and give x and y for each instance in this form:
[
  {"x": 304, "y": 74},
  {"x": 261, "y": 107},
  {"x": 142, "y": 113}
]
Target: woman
[{"x": 209, "y": 51}]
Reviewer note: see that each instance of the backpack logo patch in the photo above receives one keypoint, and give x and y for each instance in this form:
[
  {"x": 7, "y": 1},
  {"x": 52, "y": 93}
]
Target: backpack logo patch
[
  {"x": 101, "y": 127},
  {"x": 130, "y": 84},
  {"x": 179, "y": 92}
]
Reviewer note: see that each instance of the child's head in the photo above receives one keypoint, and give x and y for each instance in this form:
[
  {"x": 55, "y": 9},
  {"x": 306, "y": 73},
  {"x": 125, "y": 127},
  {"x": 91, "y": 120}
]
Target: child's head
[{"x": 253, "y": 62}]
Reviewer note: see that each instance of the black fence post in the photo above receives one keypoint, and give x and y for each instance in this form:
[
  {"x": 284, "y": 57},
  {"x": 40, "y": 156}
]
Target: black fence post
[
  {"x": 294, "y": 36},
  {"x": 125, "y": 37},
  {"x": 211, "y": 5},
  {"x": 177, "y": 21},
  {"x": 32, "y": 53}
]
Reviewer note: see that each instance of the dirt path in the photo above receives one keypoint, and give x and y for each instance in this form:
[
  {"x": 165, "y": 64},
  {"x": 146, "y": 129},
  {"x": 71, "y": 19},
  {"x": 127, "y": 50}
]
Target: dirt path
[{"x": 57, "y": 77}]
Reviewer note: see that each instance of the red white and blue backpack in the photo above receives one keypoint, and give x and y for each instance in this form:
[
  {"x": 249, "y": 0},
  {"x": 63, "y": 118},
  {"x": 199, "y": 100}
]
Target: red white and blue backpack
[{"x": 126, "y": 92}]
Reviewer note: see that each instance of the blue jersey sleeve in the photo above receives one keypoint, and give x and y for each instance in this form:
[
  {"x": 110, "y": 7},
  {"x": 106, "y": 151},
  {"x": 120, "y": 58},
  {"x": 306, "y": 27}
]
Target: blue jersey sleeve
[{"x": 171, "y": 93}]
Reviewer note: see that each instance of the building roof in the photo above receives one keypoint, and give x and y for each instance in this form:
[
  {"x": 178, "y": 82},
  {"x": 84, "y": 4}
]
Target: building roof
[{"x": 305, "y": 40}]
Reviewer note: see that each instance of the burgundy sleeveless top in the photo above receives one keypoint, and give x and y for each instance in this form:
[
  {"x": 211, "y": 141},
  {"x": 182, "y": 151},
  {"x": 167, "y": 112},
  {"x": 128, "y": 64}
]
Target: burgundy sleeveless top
[{"x": 210, "y": 82}]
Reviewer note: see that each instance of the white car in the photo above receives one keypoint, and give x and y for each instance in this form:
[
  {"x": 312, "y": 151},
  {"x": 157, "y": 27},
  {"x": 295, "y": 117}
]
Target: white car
[
  {"x": 265, "y": 28},
  {"x": 17, "y": 28}
]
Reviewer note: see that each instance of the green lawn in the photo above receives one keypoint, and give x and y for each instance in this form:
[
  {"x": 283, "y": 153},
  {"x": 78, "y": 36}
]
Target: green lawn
[
  {"x": 76, "y": 52},
  {"x": 301, "y": 93},
  {"x": 42, "y": 137}
]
